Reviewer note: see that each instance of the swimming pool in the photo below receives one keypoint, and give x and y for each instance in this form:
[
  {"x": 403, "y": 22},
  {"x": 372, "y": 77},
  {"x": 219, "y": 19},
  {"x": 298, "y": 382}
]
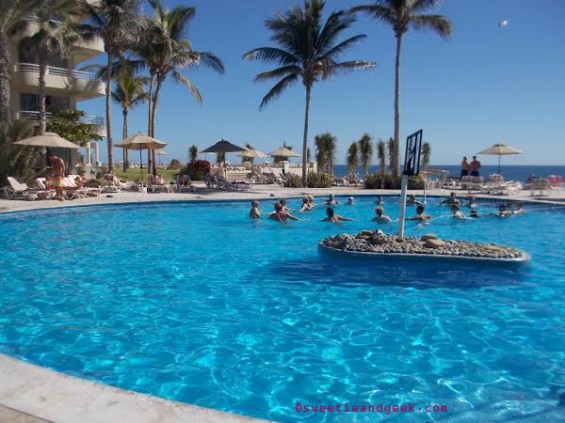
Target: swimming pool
[{"x": 196, "y": 303}]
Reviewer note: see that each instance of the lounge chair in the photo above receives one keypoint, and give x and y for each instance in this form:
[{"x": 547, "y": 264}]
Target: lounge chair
[
  {"x": 15, "y": 189},
  {"x": 539, "y": 185},
  {"x": 184, "y": 183},
  {"x": 157, "y": 183}
]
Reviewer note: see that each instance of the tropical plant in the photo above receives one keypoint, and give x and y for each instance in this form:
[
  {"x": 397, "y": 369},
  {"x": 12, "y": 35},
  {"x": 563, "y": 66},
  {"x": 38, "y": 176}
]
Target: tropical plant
[
  {"x": 117, "y": 23},
  {"x": 56, "y": 28},
  {"x": 196, "y": 169},
  {"x": 365, "y": 151},
  {"x": 402, "y": 15},
  {"x": 247, "y": 158},
  {"x": 381, "y": 156},
  {"x": 175, "y": 164},
  {"x": 318, "y": 180},
  {"x": 353, "y": 157},
  {"x": 193, "y": 153},
  {"x": 326, "y": 145},
  {"x": 426, "y": 154},
  {"x": 293, "y": 181},
  {"x": 12, "y": 14},
  {"x": 166, "y": 51},
  {"x": 16, "y": 160},
  {"x": 69, "y": 124},
  {"x": 129, "y": 92},
  {"x": 308, "y": 51}
]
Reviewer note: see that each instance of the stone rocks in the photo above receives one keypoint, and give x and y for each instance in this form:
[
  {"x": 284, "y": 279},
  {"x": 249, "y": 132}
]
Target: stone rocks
[{"x": 381, "y": 243}]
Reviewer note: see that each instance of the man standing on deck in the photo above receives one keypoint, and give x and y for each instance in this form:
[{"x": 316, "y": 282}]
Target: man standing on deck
[
  {"x": 57, "y": 173},
  {"x": 475, "y": 166}
]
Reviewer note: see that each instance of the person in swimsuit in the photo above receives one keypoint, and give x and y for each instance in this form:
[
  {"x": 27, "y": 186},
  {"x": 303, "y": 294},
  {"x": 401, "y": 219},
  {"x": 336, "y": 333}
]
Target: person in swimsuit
[
  {"x": 332, "y": 217},
  {"x": 254, "y": 213},
  {"x": 57, "y": 174},
  {"x": 380, "y": 216},
  {"x": 420, "y": 215}
]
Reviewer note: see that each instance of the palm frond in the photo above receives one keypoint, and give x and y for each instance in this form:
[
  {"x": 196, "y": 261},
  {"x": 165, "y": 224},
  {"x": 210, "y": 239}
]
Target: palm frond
[
  {"x": 278, "y": 73},
  {"x": 183, "y": 80},
  {"x": 278, "y": 89},
  {"x": 272, "y": 54},
  {"x": 377, "y": 11},
  {"x": 439, "y": 24}
]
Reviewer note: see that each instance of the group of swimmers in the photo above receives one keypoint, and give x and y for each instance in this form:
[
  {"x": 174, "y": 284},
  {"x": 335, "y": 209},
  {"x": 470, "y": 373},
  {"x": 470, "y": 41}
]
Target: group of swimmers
[{"x": 282, "y": 213}]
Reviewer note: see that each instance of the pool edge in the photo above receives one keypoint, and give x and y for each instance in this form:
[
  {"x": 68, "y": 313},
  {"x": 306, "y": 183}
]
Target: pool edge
[{"x": 56, "y": 397}]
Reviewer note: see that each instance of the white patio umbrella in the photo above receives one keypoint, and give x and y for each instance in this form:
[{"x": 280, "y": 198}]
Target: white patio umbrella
[
  {"x": 283, "y": 152},
  {"x": 161, "y": 153},
  {"x": 500, "y": 149},
  {"x": 141, "y": 142},
  {"x": 48, "y": 139}
]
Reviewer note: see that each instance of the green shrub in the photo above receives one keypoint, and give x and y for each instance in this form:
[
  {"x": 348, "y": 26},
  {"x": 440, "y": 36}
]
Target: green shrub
[
  {"x": 293, "y": 181},
  {"x": 319, "y": 180},
  {"x": 386, "y": 181}
]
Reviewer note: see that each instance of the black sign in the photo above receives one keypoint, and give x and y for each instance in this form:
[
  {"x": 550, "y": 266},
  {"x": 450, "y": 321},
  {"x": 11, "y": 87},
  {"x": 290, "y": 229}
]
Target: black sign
[{"x": 413, "y": 153}]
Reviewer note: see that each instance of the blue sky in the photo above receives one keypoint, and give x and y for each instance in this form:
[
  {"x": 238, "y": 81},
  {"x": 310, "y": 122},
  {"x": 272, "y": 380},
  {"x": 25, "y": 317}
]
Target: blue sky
[{"x": 485, "y": 84}]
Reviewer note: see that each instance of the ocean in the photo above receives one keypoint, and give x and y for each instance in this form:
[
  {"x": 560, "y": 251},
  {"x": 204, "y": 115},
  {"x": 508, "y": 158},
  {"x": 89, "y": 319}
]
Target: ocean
[{"x": 510, "y": 173}]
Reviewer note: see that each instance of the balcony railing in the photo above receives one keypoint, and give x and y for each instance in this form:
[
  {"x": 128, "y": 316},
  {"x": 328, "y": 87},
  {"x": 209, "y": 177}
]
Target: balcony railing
[
  {"x": 34, "y": 115},
  {"x": 51, "y": 70}
]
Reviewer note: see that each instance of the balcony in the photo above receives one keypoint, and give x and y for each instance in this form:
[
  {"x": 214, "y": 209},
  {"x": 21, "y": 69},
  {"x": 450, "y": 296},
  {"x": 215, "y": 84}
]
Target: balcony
[
  {"x": 97, "y": 122},
  {"x": 58, "y": 81},
  {"x": 81, "y": 50}
]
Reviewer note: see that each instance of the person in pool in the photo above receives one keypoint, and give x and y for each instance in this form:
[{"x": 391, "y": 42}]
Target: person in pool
[
  {"x": 332, "y": 217},
  {"x": 380, "y": 216},
  {"x": 280, "y": 215},
  {"x": 350, "y": 201},
  {"x": 503, "y": 211},
  {"x": 307, "y": 205},
  {"x": 457, "y": 213},
  {"x": 380, "y": 200},
  {"x": 412, "y": 201},
  {"x": 420, "y": 215},
  {"x": 331, "y": 201},
  {"x": 451, "y": 200},
  {"x": 255, "y": 213}
]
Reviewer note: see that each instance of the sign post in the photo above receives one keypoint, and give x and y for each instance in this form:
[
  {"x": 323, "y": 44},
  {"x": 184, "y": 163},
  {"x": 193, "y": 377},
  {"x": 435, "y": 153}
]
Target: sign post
[{"x": 411, "y": 168}]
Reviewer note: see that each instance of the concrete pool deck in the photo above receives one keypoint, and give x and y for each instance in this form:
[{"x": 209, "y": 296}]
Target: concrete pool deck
[{"x": 32, "y": 394}]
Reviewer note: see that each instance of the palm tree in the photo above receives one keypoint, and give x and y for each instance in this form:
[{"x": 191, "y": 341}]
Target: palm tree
[
  {"x": 166, "y": 50},
  {"x": 402, "y": 15},
  {"x": 366, "y": 151},
  {"x": 12, "y": 13},
  {"x": 54, "y": 38},
  {"x": 129, "y": 92},
  {"x": 381, "y": 155},
  {"x": 426, "y": 154},
  {"x": 308, "y": 51},
  {"x": 352, "y": 157},
  {"x": 116, "y": 22},
  {"x": 392, "y": 146},
  {"x": 193, "y": 153},
  {"x": 326, "y": 145}
]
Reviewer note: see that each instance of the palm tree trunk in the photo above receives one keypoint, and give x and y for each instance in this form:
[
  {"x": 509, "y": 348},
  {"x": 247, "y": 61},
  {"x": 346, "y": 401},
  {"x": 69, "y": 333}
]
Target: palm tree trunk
[
  {"x": 4, "y": 79},
  {"x": 395, "y": 154},
  {"x": 109, "y": 114},
  {"x": 42, "y": 116},
  {"x": 125, "y": 135},
  {"x": 150, "y": 104},
  {"x": 305, "y": 139},
  {"x": 153, "y": 112}
]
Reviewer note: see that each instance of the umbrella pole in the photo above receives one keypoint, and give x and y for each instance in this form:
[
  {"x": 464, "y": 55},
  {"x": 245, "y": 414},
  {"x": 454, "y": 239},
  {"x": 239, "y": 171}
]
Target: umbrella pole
[
  {"x": 141, "y": 167},
  {"x": 499, "y": 164}
]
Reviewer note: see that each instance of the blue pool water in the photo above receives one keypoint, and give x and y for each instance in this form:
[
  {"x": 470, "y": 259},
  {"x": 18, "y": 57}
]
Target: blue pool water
[{"x": 196, "y": 303}]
